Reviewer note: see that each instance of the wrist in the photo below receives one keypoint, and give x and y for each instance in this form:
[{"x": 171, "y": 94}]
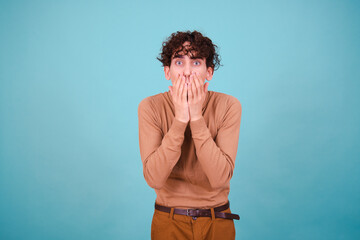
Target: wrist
[
  {"x": 195, "y": 118},
  {"x": 182, "y": 120}
]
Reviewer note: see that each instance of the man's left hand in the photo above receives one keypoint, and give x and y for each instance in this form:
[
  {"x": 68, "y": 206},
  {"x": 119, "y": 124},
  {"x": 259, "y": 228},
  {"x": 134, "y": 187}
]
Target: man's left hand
[{"x": 196, "y": 96}]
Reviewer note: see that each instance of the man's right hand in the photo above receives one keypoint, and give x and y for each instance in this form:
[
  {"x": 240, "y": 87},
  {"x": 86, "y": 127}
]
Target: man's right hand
[{"x": 179, "y": 96}]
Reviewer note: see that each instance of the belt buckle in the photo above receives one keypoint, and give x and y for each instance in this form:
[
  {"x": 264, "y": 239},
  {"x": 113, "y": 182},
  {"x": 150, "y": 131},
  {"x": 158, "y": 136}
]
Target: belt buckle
[{"x": 190, "y": 213}]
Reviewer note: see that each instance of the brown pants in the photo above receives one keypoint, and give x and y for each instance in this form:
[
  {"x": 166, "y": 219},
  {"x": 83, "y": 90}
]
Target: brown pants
[{"x": 171, "y": 226}]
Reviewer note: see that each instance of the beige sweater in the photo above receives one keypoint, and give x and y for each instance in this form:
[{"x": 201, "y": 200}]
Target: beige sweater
[{"x": 189, "y": 164}]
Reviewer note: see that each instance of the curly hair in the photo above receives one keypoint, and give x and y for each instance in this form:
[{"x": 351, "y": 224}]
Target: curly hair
[{"x": 200, "y": 44}]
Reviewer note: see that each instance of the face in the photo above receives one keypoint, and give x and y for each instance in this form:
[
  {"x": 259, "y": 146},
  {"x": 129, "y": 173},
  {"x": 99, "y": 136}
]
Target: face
[{"x": 185, "y": 64}]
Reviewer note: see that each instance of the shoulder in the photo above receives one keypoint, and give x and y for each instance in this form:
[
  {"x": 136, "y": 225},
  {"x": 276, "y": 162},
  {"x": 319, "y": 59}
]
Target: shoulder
[
  {"x": 226, "y": 101},
  {"x": 152, "y": 104},
  {"x": 228, "y": 109},
  {"x": 151, "y": 100}
]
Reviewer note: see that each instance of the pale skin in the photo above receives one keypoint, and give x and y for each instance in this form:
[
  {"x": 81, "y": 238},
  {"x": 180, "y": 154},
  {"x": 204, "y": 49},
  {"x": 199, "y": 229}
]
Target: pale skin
[{"x": 188, "y": 90}]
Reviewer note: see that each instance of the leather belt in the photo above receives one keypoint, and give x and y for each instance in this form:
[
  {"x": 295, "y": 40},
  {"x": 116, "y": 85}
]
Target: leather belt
[{"x": 200, "y": 212}]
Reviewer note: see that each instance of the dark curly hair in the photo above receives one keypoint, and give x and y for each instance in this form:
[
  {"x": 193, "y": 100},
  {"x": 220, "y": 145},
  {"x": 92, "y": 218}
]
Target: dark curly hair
[{"x": 200, "y": 44}]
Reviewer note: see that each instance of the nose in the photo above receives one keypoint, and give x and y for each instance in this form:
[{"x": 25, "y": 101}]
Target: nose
[{"x": 187, "y": 71}]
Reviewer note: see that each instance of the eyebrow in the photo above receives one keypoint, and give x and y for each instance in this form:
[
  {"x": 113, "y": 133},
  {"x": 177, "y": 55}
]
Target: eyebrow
[{"x": 182, "y": 56}]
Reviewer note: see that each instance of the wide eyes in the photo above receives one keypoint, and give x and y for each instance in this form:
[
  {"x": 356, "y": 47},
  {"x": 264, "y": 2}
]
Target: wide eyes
[{"x": 196, "y": 63}]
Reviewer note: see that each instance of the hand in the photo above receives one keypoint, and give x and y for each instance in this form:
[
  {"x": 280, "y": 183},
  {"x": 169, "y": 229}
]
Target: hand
[
  {"x": 196, "y": 96},
  {"x": 179, "y": 94}
]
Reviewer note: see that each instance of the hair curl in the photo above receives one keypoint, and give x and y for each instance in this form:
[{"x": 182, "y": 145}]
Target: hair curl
[{"x": 201, "y": 45}]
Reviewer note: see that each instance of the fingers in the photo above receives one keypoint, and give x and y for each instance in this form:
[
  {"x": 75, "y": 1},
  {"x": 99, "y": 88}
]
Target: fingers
[
  {"x": 181, "y": 88},
  {"x": 206, "y": 87},
  {"x": 198, "y": 90},
  {"x": 197, "y": 83},
  {"x": 177, "y": 84},
  {"x": 192, "y": 88},
  {"x": 184, "y": 89}
]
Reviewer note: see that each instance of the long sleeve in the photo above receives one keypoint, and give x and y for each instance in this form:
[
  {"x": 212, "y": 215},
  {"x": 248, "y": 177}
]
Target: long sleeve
[
  {"x": 217, "y": 158},
  {"x": 159, "y": 152}
]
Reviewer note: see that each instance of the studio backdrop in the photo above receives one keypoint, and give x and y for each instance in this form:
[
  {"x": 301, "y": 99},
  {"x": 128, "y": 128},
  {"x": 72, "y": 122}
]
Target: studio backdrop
[{"x": 72, "y": 74}]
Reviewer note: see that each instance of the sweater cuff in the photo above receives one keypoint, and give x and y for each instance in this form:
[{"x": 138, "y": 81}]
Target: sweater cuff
[
  {"x": 178, "y": 126},
  {"x": 198, "y": 127}
]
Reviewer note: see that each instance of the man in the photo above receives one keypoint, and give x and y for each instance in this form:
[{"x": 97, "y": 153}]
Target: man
[{"x": 188, "y": 140}]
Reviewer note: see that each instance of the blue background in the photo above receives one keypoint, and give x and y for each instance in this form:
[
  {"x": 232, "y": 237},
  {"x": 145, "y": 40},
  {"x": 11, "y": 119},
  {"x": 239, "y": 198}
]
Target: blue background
[{"x": 72, "y": 74}]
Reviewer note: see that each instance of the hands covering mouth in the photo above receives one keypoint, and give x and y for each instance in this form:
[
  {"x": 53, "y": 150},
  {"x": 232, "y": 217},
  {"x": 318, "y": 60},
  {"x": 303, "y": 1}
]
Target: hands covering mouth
[{"x": 188, "y": 95}]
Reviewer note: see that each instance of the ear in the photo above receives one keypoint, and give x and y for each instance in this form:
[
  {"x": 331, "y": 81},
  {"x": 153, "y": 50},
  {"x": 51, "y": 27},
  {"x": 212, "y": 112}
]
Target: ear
[
  {"x": 167, "y": 72},
  {"x": 209, "y": 73}
]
